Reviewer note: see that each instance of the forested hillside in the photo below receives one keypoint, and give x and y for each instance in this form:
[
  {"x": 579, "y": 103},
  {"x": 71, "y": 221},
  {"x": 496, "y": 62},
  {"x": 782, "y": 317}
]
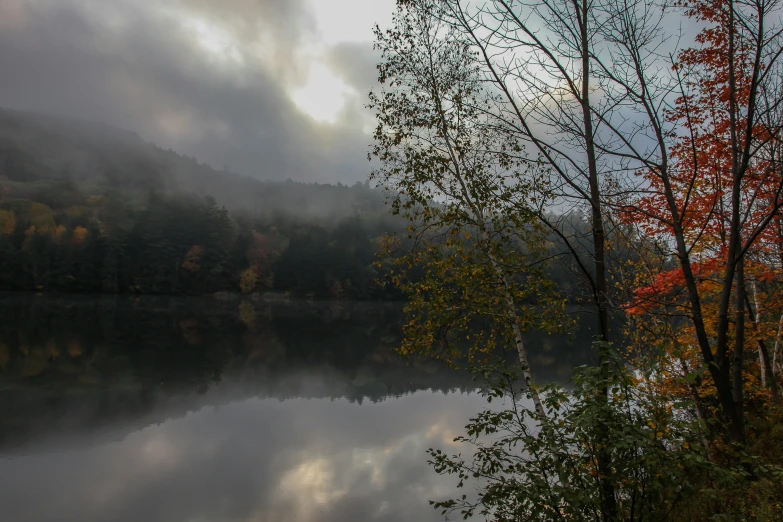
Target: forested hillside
[{"x": 89, "y": 208}]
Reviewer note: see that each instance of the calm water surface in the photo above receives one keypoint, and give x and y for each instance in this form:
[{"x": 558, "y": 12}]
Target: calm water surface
[{"x": 174, "y": 409}]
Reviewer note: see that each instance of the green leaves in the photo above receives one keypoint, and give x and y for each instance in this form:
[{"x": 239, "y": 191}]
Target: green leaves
[
  {"x": 536, "y": 467},
  {"x": 522, "y": 465},
  {"x": 474, "y": 272}
]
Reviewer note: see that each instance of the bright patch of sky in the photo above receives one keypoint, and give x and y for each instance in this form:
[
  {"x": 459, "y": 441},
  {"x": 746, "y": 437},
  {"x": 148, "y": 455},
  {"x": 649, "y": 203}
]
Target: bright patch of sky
[
  {"x": 323, "y": 95},
  {"x": 217, "y": 43},
  {"x": 349, "y": 20},
  {"x": 317, "y": 90}
]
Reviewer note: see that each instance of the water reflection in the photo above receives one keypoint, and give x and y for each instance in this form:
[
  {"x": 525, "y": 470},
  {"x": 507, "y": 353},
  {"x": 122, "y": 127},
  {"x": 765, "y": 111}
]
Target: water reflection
[
  {"x": 258, "y": 459},
  {"x": 115, "y": 409}
]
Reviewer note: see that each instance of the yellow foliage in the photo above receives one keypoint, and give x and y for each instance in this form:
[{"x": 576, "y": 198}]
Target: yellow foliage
[
  {"x": 58, "y": 233},
  {"x": 29, "y": 236},
  {"x": 79, "y": 235},
  {"x": 40, "y": 215},
  {"x": 7, "y": 222},
  {"x": 248, "y": 280}
]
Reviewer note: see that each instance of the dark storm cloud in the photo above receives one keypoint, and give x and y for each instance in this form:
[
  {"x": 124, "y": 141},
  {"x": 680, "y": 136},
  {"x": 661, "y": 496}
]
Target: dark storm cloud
[{"x": 139, "y": 65}]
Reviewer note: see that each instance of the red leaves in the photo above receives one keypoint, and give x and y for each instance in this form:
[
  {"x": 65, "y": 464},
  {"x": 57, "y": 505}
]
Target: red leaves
[
  {"x": 704, "y": 171},
  {"x": 666, "y": 285}
]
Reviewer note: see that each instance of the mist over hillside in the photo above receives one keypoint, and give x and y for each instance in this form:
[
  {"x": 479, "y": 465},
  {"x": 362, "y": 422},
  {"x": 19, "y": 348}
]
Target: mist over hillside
[
  {"x": 86, "y": 207},
  {"x": 40, "y": 153}
]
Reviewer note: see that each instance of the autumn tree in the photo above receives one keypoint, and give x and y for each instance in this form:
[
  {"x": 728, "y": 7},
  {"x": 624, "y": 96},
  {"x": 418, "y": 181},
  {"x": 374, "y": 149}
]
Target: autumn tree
[
  {"x": 535, "y": 63},
  {"x": 706, "y": 179},
  {"x": 248, "y": 279},
  {"x": 452, "y": 175},
  {"x": 192, "y": 262},
  {"x": 260, "y": 255}
]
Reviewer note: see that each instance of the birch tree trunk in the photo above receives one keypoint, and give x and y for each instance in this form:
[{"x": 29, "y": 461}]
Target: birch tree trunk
[
  {"x": 777, "y": 367},
  {"x": 519, "y": 343},
  {"x": 767, "y": 368}
]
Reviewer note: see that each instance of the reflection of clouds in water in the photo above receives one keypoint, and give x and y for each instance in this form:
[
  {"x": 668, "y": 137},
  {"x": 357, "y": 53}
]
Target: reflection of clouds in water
[
  {"x": 100, "y": 431},
  {"x": 318, "y": 484},
  {"x": 443, "y": 433},
  {"x": 310, "y": 485},
  {"x": 147, "y": 459},
  {"x": 254, "y": 460}
]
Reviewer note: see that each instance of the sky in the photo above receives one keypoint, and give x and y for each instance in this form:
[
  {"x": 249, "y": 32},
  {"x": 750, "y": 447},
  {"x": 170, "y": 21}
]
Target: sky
[{"x": 273, "y": 89}]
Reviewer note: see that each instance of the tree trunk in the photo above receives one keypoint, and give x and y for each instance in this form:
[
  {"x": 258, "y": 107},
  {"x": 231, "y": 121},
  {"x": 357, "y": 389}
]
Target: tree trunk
[
  {"x": 739, "y": 338},
  {"x": 716, "y": 365},
  {"x": 478, "y": 215},
  {"x": 777, "y": 366},
  {"x": 768, "y": 378},
  {"x": 519, "y": 343},
  {"x": 608, "y": 499},
  {"x": 767, "y": 374},
  {"x": 701, "y": 414}
]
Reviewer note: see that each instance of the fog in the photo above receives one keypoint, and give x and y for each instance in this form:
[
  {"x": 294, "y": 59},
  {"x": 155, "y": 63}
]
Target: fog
[
  {"x": 216, "y": 80},
  {"x": 40, "y": 148}
]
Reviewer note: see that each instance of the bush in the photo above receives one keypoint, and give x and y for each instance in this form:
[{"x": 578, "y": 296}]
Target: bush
[{"x": 529, "y": 467}]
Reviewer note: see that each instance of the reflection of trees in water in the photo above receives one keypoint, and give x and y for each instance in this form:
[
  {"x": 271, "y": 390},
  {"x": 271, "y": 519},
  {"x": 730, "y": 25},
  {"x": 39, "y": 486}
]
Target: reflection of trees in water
[
  {"x": 184, "y": 343},
  {"x": 114, "y": 357},
  {"x": 170, "y": 343}
]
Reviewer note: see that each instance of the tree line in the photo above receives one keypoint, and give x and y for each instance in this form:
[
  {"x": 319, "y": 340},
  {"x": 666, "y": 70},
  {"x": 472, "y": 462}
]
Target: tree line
[{"x": 115, "y": 242}]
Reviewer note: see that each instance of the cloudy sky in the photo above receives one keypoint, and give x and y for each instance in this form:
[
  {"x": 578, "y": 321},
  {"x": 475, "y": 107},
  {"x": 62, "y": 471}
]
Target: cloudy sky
[{"x": 268, "y": 88}]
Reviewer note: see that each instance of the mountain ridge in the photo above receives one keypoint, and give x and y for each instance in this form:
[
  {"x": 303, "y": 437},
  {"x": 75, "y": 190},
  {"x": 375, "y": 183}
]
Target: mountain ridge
[{"x": 40, "y": 148}]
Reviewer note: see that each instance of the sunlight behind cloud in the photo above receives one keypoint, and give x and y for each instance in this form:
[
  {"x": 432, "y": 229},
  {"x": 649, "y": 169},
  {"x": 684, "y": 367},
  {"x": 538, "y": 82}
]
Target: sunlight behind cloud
[
  {"x": 217, "y": 43},
  {"x": 231, "y": 82},
  {"x": 323, "y": 95}
]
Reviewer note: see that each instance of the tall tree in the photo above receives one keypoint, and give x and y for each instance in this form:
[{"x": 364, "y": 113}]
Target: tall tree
[
  {"x": 453, "y": 175},
  {"x": 534, "y": 61},
  {"x": 707, "y": 175}
]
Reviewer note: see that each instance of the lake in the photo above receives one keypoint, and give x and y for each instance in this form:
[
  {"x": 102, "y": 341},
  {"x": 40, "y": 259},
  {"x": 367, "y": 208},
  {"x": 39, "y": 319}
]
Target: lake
[{"x": 197, "y": 409}]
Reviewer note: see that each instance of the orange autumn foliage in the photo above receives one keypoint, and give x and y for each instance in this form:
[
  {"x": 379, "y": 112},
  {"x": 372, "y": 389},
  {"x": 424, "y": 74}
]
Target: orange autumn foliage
[
  {"x": 721, "y": 200},
  {"x": 192, "y": 262},
  {"x": 79, "y": 235}
]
